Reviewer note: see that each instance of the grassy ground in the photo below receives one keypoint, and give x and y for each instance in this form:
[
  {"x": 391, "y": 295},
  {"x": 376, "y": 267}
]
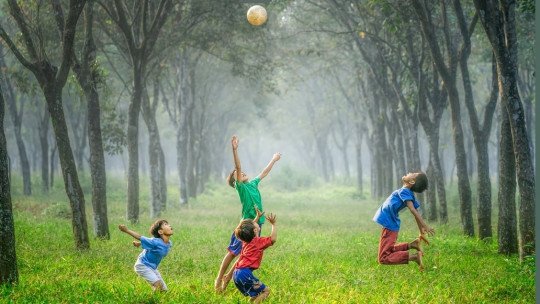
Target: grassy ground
[{"x": 326, "y": 253}]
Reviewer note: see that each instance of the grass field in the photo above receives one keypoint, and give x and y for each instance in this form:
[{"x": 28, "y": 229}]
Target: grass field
[{"x": 325, "y": 253}]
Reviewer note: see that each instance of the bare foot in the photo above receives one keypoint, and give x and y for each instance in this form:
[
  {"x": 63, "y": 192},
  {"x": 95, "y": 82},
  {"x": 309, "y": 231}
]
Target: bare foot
[
  {"x": 419, "y": 256},
  {"x": 416, "y": 244}
]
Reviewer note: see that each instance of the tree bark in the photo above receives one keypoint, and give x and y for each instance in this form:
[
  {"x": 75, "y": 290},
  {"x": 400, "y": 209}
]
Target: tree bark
[
  {"x": 51, "y": 80},
  {"x": 448, "y": 74},
  {"x": 498, "y": 20},
  {"x": 507, "y": 223},
  {"x": 16, "y": 118},
  {"x": 156, "y": 157},
  {"x": 44, "y": 141},
  {"x": 8, "y": 259},
  {"x": 88, "y": 78}
]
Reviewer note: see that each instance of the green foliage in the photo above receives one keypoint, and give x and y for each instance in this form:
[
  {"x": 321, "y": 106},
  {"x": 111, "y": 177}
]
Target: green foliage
[{"x": 325, "y": 253}]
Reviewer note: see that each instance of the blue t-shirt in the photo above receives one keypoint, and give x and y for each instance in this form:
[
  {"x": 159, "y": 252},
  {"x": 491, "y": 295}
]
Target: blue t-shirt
[
  {"x": 388, "y": 214},
  {"x": 154, "y": 250}
]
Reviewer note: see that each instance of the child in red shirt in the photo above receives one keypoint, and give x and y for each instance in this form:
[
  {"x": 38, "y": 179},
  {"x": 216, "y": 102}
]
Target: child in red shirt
[{"x": 251, "y": 257}]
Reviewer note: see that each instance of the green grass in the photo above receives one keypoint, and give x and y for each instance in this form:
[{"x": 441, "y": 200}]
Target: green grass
[{"x": 325, "y": 253}]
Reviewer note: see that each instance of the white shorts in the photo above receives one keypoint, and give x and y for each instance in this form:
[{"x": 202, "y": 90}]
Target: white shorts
[{"x": 149, "y": 274}]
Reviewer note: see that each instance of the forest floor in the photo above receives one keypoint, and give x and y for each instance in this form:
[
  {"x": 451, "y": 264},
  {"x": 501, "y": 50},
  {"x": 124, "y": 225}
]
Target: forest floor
[{"x": 325, "y": 253}]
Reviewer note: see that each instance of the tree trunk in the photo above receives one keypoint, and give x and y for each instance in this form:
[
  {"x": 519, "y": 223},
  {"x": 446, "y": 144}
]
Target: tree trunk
[
  {"x": 431, "y": 194},
  {"x": 155, "y": 154},
  {"x": 448, "y": 75},
  {"x": 44, "y": 141},
  {"x": 8, "y": 260},
  {"x": 359, "y": 168},
  {"x": 52, "y": 163},
  {"x": 498, "y": 20},
  {"x": 507, "y": 225},
  {"x": 16, "y": 118},
  {"x": 67, "y": 163},
  {"x": 133, "y": 144}
]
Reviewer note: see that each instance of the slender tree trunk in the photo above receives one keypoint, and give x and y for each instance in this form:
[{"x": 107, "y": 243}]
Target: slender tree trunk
[
  {"x": 87, "y": 77},
  {"x": 52, "y": 163},
  {"x": 448, "y": 75},
  {"x": 69, "y": 169},
  {"x": 133, "y": 143},
  {"x": 44, "y": 141},
  {"x": 16, "y": 118},
  {"x": 498, "y": 20},
  {"x": 431, "y": 194},
  {"x": 359, "y": 168},
  {"x": 507, "y": 224},
  {"x": 8, "y": 259}
]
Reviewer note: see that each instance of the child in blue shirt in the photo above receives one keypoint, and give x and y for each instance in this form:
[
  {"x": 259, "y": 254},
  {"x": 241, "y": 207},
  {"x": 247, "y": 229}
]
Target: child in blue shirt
[
  {"x": 388, "y": 217},
  {"x": 154, "y": 250}
]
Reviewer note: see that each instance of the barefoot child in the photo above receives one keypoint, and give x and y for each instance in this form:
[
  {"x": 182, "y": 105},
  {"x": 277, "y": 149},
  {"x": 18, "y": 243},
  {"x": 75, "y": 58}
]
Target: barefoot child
[
  {"x": 250, "y": 197},
  {"x": 154, "y": 250},
  {"x": 250, "y": 258},
  {"x": 388, "y": 216}
]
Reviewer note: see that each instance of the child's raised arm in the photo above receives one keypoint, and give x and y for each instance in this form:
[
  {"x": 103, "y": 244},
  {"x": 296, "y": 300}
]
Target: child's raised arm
[
  {"x": 272, "y": 219},
  {"x": 275, "y": 158},
  {"x": 259, "y": 214},
  {"x": 125, "y": 229},
  {"x": 237, "y": 166},
  {"x": 422, "y": 226}
]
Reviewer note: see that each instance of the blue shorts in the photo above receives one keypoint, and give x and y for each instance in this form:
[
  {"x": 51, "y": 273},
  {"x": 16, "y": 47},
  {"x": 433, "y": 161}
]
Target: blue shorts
[
  {"x": 235, "y": 245},
  {"x": 247, "y": 283}
]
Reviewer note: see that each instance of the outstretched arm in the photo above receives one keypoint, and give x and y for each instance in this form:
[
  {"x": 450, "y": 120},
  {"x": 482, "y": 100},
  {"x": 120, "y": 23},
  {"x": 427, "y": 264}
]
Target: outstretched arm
[
  {"x": 422, "y": 226},
  {"x": 268, "y": 168},
  {"x": 272, "y": 219},
  {"x": 125, "y": 229},
  {"x": 237, "y": 167}
]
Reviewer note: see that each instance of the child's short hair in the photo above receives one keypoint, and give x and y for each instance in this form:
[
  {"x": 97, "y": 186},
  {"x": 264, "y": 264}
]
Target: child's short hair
[
  {"x": 156, "y": 226},
  {"x": 231, "y": 178},
  {"x": 245, "y": 230},
  {"x": 420, "y": 183}
]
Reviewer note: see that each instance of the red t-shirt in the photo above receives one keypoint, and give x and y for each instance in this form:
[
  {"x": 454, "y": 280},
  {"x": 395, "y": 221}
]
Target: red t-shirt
[{"x": 252, "y": 252}]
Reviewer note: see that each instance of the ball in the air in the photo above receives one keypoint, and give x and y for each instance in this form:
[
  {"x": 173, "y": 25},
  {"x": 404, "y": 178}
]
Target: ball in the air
[{"x": 256, "y": 15}]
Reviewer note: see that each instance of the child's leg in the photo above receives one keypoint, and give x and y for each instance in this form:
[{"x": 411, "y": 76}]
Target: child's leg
[
  {"x": 234, "y": 249},
  {"x": 260, "y": 297},
  {"x": 389, "y": 251},
  {"x": 224, "y": 265}
]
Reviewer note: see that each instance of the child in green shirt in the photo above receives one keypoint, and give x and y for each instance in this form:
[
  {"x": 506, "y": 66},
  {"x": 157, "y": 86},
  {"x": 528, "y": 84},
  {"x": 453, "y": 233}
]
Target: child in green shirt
[{"x": 251, "y": 200}]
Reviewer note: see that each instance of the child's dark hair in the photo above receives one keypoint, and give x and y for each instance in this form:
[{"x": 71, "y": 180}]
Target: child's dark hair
[
  {"x": 245, "y": 230},
  {"x": 156, "y": 226},
  {"x": 231, "y": 178},
  {"x": 420, "y": 183}
]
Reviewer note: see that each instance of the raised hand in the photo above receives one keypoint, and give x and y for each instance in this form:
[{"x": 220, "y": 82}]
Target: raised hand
[
  {"x": 259, "y": 212},
  {"x": 271, "y": 218},
  {"x": 276, "y": 156},
  {"x": 234, "y": 142}
]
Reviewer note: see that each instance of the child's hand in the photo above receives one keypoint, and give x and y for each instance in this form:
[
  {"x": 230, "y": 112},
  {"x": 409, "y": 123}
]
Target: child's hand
[
  {"x": 136, "y": 243},
  {"x": 259, "y": 212},
  {"x": 271, "y": 218},
  {"x": 123, "y": 228},
  {"x": 276, "y": 156},
  {"x": 234, "y": 142},
  {"x": 428, "y": 230}
]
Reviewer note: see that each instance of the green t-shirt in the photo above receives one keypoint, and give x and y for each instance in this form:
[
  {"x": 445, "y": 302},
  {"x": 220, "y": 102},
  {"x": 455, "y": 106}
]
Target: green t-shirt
[{"x": 249, "y": 196}]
